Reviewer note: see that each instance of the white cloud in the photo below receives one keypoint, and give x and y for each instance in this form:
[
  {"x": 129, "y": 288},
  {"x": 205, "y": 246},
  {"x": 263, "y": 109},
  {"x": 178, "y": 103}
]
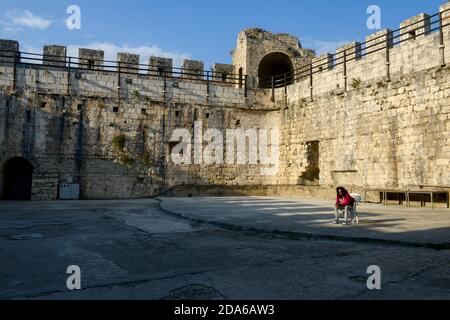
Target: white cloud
[
  {"x": 28, "y": 19},
  {"x": 322, "y": 46},
  {"x": 111, "y": 51},
  {"x": 10, "y": 30},
  {"x": 14, "y": 22}
]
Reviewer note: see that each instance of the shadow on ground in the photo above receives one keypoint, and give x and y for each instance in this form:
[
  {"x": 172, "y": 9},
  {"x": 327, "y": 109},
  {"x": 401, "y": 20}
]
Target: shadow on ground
[{"x": 407, "y": 226}]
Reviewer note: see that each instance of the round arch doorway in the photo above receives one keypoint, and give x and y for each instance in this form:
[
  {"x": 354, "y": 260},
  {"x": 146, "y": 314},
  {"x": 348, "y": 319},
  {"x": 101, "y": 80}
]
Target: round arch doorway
[
  {"x": 17, "y": 179},
  {"x": 273, "y": 65}
]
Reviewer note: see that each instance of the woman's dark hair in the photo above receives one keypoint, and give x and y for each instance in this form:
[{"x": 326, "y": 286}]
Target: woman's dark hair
[{"x": 344, "y": 192}]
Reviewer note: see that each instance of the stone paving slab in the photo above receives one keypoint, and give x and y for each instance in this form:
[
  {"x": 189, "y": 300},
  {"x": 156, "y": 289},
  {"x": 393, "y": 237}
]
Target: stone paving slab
[{"x": 395, "y": 224}]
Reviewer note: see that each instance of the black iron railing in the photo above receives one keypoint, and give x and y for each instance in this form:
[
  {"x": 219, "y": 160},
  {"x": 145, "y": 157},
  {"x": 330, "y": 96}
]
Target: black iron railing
[
  {"x": 394, "y": 38},
  {"x": 75, "y": 63}
]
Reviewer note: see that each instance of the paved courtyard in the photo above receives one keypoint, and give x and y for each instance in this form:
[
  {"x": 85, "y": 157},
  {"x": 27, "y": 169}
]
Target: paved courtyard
[
  {"x": 393, "y": 224},
  {"x": 219, "y": 248}
]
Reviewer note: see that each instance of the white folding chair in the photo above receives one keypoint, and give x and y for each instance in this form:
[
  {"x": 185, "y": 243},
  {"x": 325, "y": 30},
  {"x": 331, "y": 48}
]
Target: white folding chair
[{"x": 358, "y": 199}]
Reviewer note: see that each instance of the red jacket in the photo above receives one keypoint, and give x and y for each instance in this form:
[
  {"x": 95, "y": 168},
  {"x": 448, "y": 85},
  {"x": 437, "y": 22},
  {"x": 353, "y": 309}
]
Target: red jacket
[{"x": 345, "y": 201}]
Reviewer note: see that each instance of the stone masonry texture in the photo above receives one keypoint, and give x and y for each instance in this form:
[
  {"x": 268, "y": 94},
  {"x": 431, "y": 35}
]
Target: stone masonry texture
[{"x": 381, "y": 126}]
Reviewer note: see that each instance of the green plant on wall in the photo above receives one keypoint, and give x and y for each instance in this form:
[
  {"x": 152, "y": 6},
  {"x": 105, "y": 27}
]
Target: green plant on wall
[
  {"x": 123, "y": 157},
  {"x": 101, "y": 105},
  {"x": 381, "y": 84},
  {"x": 118, "y": 143},
  {"x": 126, "y": 160},
  {"x": 302, "y": 103},
  {"x": 356, "y": 83},
  {"x": 145, "y": 159},
  {"x": 136, "y": 95}
]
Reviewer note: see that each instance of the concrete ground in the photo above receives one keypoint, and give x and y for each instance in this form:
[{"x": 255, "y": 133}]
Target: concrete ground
[
  {"x": 134, "y": 250},
  {"x": 394, "y": 224}
]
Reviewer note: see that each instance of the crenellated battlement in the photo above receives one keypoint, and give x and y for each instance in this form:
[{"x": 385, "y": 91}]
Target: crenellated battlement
[
  {"x": 91, "y": 59},
  {"x": 261, "y": 60},
  {"x": 90, "y": 75},
  {"x": 422, "y": 42},
  {"x": 373, "y": 114}
]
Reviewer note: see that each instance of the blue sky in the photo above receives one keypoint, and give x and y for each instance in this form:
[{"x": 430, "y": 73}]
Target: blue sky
[{"x": 198, "y": 29}]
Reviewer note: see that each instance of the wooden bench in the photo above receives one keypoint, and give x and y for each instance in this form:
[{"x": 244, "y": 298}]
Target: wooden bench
[
  {"x": 408, "y": 192},
  {"x": 385, "y": 192},
  {"x": 431, "y": 192}
]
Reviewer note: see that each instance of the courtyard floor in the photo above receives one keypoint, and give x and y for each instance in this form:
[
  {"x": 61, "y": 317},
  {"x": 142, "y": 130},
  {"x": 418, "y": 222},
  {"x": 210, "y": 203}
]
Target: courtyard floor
[
  {"x": 220, "y": 248},
  {"x": 393, "y": 224}
]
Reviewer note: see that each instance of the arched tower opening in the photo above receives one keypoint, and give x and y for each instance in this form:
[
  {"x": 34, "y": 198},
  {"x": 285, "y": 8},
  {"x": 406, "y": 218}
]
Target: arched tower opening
[
  {"x": 17, "y": 179},
  {"x": 276, "y": 65}
]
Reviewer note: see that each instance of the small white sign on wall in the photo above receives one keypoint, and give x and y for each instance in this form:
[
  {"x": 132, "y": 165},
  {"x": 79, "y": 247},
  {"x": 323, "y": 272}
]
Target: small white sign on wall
[{"x": 69, "y": 191}]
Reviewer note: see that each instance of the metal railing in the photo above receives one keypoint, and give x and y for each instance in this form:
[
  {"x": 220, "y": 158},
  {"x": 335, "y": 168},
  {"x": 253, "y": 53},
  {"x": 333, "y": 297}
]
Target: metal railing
[
  {"x": 76, "y": 64},
  {"x": 394, "y": 38}
]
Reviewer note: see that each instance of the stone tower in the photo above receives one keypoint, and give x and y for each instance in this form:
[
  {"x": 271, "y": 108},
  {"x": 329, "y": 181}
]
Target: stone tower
[{"x": 261, "y": 55}]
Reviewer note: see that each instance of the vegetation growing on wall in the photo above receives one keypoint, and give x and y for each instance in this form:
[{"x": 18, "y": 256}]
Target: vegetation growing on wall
[
  {"x": 136, "y": 95},
  {"x": 118, "y": 143},
  {"x": 126, "y": 160},
  {"x": 101, "y": 105},
  {"x": 356, "y": 83}
]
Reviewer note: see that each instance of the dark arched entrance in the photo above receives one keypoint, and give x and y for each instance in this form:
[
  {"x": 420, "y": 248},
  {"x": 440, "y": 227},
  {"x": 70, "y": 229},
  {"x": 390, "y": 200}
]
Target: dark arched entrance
[
  {"x": 17, "y": 178},
  {"x": 276, "y": 65}
]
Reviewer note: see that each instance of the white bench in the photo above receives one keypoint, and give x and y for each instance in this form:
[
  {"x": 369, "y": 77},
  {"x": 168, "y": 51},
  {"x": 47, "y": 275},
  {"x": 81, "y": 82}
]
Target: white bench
[{"x": 358, "y": 199}]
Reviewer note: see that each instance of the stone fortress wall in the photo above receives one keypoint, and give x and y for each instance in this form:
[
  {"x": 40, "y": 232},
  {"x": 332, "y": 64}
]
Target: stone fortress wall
[
  {"x": 65, "y": 122},
  {"x": 383, "y": 123},
  {"x": 380, "y": 126}
]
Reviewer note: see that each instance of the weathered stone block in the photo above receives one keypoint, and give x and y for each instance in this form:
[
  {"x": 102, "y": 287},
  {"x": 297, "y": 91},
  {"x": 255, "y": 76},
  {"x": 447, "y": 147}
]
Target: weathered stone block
[
  {"x": 352, "y": 51},
  {"x": 158, "y": 66},
  {"x": 55, "y": 55},
  {"x": 414, "y": 27},
  {"x": 128, "y": 63},
  {"x": 221, "y": 72},
  {"x": 8, "y": 48},
  {"x": 445, "y": 14},
  {"x": 192, "y": 69},
  {"x": 91, "y": 59},
  {"x": 378, "y": 41},
  {"x": 289, "y": 39},
  {"x": 323, "y": 62}
]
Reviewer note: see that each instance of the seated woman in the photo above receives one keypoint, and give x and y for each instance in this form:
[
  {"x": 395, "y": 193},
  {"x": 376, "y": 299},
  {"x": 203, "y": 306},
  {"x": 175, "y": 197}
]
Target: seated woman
[{"x": 344, "y": 202}]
